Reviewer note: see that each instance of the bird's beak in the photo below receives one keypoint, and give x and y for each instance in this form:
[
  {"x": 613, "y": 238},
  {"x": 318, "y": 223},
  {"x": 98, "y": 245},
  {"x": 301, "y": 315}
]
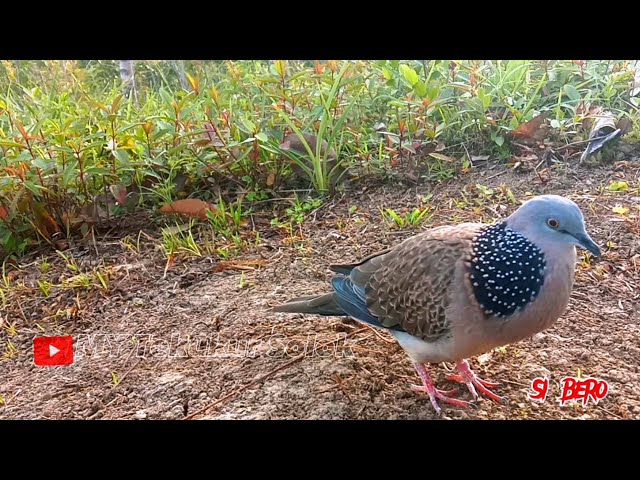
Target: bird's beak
[{"x": 584, "y": 240}]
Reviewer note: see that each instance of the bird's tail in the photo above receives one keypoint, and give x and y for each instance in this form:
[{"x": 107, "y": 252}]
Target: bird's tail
[{"x": 318, "y": 305}]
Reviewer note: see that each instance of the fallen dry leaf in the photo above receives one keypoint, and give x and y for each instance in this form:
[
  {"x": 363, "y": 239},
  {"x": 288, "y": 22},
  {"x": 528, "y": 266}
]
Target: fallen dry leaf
[
  {"x": 238, "y": 265},
  {"x": 528, "y": 129},
  {"x": 440, "y": 156},
  {"x": 191, "y": 207},
  {"x": 271, "y": 179},
  {"x": 625, "y": 125}
]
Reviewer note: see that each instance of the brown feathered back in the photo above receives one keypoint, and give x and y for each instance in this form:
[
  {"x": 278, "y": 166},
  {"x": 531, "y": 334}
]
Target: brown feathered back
[{"x": 408, "y": 285}]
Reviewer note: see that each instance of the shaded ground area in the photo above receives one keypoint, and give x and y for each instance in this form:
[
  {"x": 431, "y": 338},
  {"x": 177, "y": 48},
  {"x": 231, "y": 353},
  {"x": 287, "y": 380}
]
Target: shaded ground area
[{"x": 160, "y": 348}]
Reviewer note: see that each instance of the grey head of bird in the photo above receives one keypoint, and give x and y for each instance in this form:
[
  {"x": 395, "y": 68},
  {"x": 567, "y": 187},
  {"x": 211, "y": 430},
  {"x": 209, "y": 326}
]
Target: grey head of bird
[{"x": 552, "y": 221}]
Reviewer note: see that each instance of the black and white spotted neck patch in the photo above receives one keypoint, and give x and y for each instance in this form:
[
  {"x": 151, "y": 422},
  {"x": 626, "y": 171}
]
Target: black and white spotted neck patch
[{"x": 507, "y": 270}]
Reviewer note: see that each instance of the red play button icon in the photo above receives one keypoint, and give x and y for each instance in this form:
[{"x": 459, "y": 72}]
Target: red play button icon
[{"x": 49, "y": 351}]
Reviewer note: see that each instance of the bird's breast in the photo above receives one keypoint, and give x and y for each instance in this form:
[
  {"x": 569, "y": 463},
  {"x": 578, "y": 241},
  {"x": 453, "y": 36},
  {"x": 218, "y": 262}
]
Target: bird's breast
[{"x": 475, "y": 331}]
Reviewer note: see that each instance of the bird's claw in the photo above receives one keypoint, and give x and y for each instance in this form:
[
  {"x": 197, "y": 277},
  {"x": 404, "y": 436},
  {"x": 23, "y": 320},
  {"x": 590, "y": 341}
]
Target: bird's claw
[
  {"x": 446, "y": 393},
  {"x": 472, "y": 381},
  {"x": 458, "y": 378},
  {"x": 444, "y": 396}
]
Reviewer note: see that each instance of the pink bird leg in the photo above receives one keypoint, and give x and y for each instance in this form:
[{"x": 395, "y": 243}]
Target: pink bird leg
[
  {"x": 467, "y": 376},
  {"x": 435, "y": 394}
]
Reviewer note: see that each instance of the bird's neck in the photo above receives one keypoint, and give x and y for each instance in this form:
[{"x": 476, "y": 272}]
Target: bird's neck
[{"x": 561, "y": 264}]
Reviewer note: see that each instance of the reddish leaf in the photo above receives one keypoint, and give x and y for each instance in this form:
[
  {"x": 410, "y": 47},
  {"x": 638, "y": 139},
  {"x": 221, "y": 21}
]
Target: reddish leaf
[
  {"x": 528, "y": 129},
  {"x": 19, "y": 171},
  {"x": 147, "y": 127},
  {"x": 115, "y": 105},
  {"x": 191, "y": 207},
  {"x": 23, "y": 132},
  {"x": 3, "y": 212},
  {"x": 43, "y": 221}
]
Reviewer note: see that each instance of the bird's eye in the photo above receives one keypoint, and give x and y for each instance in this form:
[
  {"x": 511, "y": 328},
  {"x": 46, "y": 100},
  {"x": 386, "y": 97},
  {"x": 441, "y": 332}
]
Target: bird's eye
[{"x": 553, "y": 223}]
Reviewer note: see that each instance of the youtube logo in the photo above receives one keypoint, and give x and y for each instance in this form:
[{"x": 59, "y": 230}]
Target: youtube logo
[{"x": 52, "y": 351}]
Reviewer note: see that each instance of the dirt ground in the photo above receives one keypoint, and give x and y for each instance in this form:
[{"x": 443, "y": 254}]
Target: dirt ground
[{"x": 202, "y": 343}]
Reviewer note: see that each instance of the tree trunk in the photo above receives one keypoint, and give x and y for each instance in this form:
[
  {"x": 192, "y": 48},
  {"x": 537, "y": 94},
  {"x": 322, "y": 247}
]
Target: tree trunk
[
  {"x": 179, "y": 66},
  {"x": 127, "y": 75}
]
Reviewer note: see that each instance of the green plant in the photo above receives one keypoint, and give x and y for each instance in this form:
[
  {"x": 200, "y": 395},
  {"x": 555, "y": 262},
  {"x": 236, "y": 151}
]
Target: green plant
[
  {"x": 299, "y": 209},
  {"x": 180, "y": 239},
  {"x": 409, "y": 218},
  {"x": 45, "y": 287},
  {"x": 75, "y": 151},
  {"x": 331, "y": 119}
]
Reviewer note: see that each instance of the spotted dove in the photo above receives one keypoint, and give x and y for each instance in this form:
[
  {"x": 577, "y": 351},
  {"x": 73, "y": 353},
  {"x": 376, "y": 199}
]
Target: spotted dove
[{"x": 453, "y": 292}]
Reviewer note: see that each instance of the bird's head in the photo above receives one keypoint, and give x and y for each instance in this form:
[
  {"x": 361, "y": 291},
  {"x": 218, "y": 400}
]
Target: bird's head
[{"x": 552, "y": 220}]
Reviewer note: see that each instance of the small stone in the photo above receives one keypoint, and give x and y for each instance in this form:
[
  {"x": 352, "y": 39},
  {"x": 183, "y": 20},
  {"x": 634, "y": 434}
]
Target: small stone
[{"x": 140, "y": 415}]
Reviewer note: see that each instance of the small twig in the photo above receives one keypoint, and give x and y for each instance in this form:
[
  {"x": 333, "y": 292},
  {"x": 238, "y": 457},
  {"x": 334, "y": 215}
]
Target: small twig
[
  {"x": 375, "y": 330},
  {"x": 127, "y": 373},
  {"x": 514, "y": 383},
  {"x": 7, "y": 400},
  {"x": 611, "y": 413},
  {"x": 261, "y": 379},
  {"x": 497, "y": 174},
  {"x": 571, "y": 145},
  {"x": 467, "y": 151},
  {"x": 24, "y": 317},
  {"x": 246, "y": 387}
]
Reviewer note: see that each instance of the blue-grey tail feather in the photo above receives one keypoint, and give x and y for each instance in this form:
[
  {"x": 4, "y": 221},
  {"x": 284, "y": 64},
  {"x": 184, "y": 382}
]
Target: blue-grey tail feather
[
  {"x": 351, "y": 299},
  {"x": 315, "y": 304},
  {"x": 347, "y": 299}
]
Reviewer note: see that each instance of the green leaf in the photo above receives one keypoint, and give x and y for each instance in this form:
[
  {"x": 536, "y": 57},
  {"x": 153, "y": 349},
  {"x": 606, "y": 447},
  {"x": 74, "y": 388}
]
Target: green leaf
[
  {"x": 262, "y": 137},
  {"x": 280, "y": 67},
  {"x": 97, "y": 171},
  {"x": 499, "y": 140},
  {"x": 396, "y": 103},
  {"x": 7, "y": 143},
  {"x": 34, "y": 187},
  {"x": 70, "y": 173},
  {"x": 620, "y": 210},
  {"x": 484, "y": 97},
  {"x": 433, "y": 93},
  {"x": 409, "y": 74},
  {"x": 618, "y": 186},
  {"x": 42, "y": 163},
  {"x": 163, "y": 129},
  {"x": 572, "y": 92},
  {"x": 122, "y": 156},
  {"x": 248, "y": 125},
  {"x": 420, "y": 88},
  {"x": 166, "y": 97}
]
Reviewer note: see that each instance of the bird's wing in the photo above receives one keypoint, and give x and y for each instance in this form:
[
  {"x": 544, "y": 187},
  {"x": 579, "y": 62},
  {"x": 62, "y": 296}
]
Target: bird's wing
[{"x": 406, "y": 287}]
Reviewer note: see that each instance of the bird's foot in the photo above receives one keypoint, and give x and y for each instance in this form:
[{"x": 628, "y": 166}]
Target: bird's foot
[
  {"x": 472, "y": 381},
  {"x": 435, "y": 394}
]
